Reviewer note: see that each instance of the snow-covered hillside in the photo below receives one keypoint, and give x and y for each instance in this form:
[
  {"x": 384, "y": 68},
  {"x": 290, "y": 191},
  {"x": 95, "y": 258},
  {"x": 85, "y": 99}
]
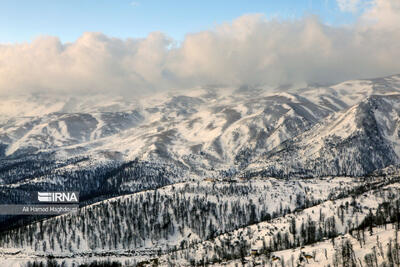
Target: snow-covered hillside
[
  {"x": 356, "y": 141},
  {"x": 327, "y": 220},
  {"x": 176, "y": 215},
  {"x": 206, "y": 176},
  {"x": 377, "y": 247},
  {"x": 208, "y": 130},
  {"x": 207, "y": 222}
]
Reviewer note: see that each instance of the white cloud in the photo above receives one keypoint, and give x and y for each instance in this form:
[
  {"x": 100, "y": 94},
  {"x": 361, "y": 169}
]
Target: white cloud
[
  {"x": 348, "y": 5},
  {"x": 250, "y": 50},
  {"x": 384, "y": 14}
]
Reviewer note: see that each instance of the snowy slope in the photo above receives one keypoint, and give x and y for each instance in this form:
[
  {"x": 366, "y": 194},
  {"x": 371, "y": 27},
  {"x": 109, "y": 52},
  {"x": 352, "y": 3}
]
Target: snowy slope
[
  {"x": 62, "y": 129},
  {"x": 349, "y": 93},
  {"x": 327, "y": 220},
  {"x": 356, "y": 141},
  {"x": 204, "y": 131},
  {"x": 382, "y": 242},
  {"x": 198, "y": 210},
  {"x": 199, "y": 133},
  {"x": 205, "y": 221}
]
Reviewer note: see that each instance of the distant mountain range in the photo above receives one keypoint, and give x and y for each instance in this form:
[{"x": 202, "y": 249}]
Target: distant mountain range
[{"x": 347, "y": 129}]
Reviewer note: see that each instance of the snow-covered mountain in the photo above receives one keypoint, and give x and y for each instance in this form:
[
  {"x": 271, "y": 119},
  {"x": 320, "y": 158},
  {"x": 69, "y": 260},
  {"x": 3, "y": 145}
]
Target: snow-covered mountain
[
  {"x": 195, "y": 177},
  {"x": 356, "y": 141},
  {"x": 207, "y": 131}
]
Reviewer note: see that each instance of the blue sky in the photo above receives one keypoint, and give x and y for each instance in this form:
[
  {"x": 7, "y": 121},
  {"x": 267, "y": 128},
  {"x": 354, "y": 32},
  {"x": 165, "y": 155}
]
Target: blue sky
[{"x": 24, "y": 20}]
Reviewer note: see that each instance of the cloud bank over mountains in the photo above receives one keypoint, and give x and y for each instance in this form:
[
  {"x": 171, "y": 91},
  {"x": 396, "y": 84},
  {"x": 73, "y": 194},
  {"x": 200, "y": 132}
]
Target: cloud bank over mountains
[{"x": 251, "y": 50}]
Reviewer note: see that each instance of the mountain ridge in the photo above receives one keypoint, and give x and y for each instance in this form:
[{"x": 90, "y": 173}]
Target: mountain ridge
[{"x": 205, "y": 132}]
